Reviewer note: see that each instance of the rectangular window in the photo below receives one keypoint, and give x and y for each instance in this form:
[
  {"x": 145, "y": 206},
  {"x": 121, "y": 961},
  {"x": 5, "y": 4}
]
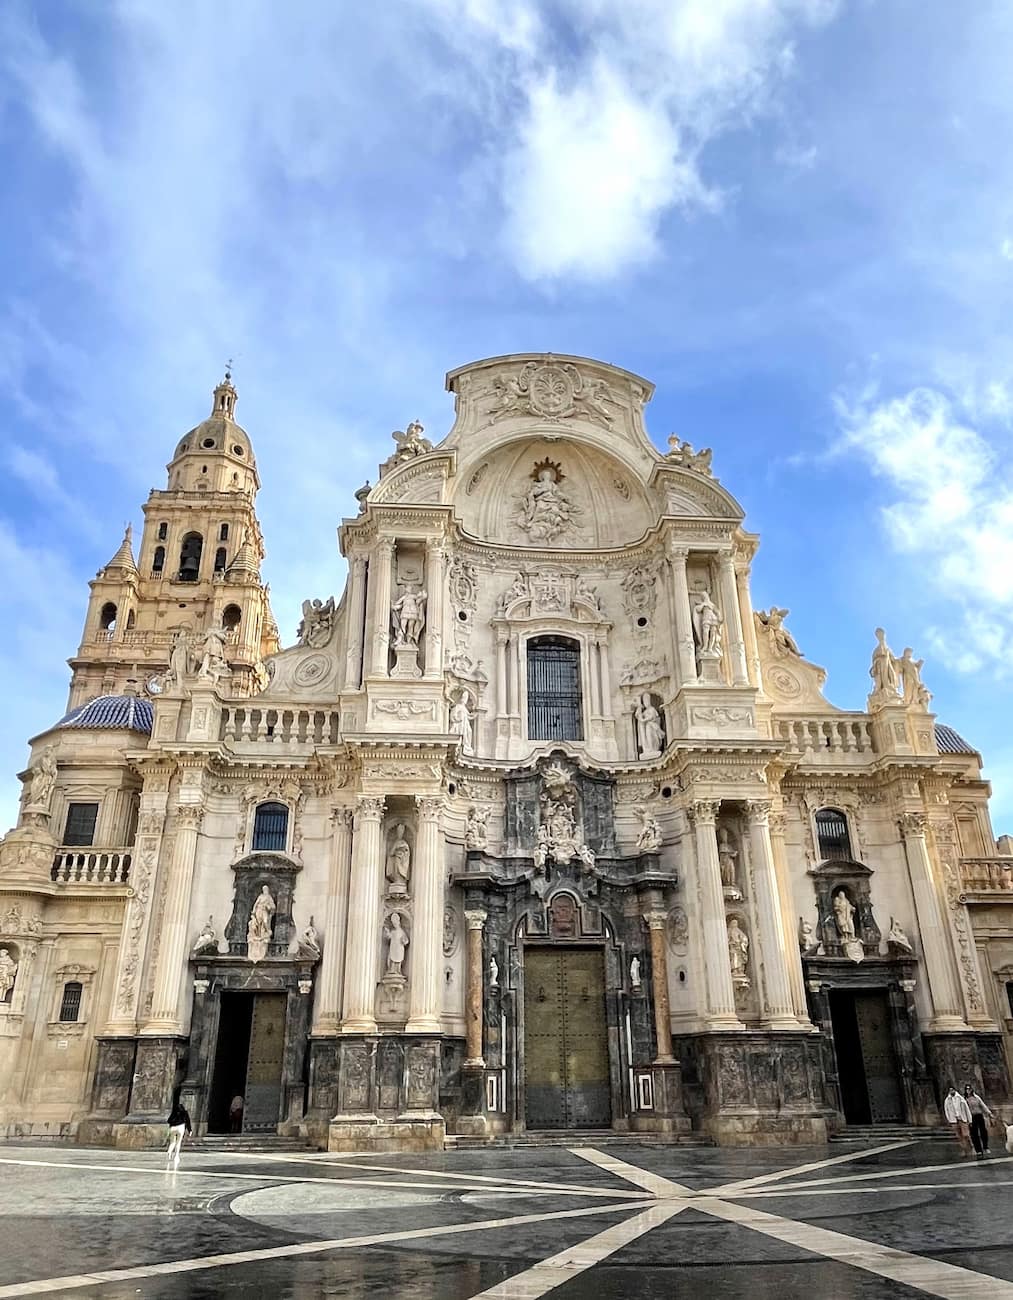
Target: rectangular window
[
  {"x": 554, "y": 711},
  {"x": 70, "y": 1007},
  {"x": 80, "y": 827}
]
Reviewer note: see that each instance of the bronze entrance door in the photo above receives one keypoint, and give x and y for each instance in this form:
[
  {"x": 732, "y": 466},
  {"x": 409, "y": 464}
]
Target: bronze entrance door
[
  {"x": 248, "y": 1061},
  {"x": 566, "y": 1064},
  {"x": 866, "y": 1063}
]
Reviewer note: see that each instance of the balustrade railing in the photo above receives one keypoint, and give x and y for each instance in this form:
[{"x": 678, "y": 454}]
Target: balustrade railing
[
  {"x": 92, "y": 866},
  {"x": 823, "y": 735},
  {"x": 280, "y": 726},
  {"x": 987, "y": 875}
]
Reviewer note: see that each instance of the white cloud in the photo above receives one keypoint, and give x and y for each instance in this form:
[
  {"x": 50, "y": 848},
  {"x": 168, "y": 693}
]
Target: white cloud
[{"x": 950, "y": 511}]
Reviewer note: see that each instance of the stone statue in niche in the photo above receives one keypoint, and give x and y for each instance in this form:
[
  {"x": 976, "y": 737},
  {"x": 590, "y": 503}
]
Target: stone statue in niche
[
  {"x": 650, "y": 729},
  {"x": 493, "y": 973},
  {"x": 682, "y": 454},
  {"x": 399, "y": 861},
  {"x": 8, "y": 973},
  {"x": 727, "y": 857},
  {"x": 207, "y": 940},
  {"x": 635, "y": 972},
  {"x": 560, "y": 835},
  {"x": 781, "y": 640},
  {"x": 544, "y": 510},
  {"x": 476, "y": 829},
  {"x": 397, "y": 944},
  {"x": 261, "y": 927},
  {"x": 738, "y": 952},
  {"x": 43, "y": 782},
  {"x": 649, "y": 839},
  {"x": 462, "y": 721},
  {"x": 896, "y": 940},
  {"x": 408, "y": 615},
  {"x": 844, "y": 915},
  {"x": 706, "y": 625},
  {"x": 317, "y": 622}
]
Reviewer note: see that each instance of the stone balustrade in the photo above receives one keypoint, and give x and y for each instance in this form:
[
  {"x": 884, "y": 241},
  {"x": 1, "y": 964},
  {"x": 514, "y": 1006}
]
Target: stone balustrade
[
  {"x": 91, "y": 866},
  {"x": 838, "y": 735},
  {"x": 286, "y": 727},
  {"x": 987, "y": 876}
]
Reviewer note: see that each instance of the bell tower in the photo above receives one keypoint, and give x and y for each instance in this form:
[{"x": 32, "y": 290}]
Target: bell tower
[{"x": 197, "y": 567}]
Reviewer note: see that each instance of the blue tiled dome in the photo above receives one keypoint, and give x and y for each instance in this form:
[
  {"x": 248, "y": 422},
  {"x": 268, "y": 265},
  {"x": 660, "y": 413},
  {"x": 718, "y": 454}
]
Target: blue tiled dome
[
  {"x": 949, "y": 741},
  {"x": 112, "y": 712}
]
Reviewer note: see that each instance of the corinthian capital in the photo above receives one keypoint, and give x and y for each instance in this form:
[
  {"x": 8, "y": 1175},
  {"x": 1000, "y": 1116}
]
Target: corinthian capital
[
  {"x": 429, "y": 808},
  {"x": 703, "y": 812},
  {"x": 369, "y": 807},
  {"x": 911, "y": 824},
  {"x": 758, "y": 811}
]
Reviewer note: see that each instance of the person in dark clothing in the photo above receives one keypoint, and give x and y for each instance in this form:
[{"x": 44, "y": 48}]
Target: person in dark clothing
[
  {"x": 179, "y": 1125},
  {"x": 980, "y": 1118}
]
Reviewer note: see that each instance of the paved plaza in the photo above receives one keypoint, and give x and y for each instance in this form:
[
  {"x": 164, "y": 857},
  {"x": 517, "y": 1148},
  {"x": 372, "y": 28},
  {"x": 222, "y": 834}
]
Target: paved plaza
[{"x": 647, "y": 1220}]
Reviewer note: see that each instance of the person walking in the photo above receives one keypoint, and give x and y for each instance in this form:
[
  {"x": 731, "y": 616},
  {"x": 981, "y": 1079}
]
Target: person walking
[
  {"x": 179, "y": 1125},
  {"x": 958, "y": 1116},
  {"x": 981, "y": 1116}
]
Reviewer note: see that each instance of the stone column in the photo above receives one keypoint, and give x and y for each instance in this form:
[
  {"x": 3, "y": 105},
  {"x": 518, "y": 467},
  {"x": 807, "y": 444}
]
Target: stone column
[
  {"x": 173, "y": 948},
  {"x": 425, "y": 999},
  {"x": 678, "y": 556},
  {"x": 788, "y": 918},
  {"x": 435, "y": 599},
  {"x": 380, "y": 583},
  {"x": 745, "y": 603},
  {"x": 356, "y": 624},
  {"x": 936, "y": 938},
  {"x": 502, "y": 703},
  {"x": 519, "y": 666},
  {"x": 721, "y": 1013},
  {"x": 606, "y": 677},
  {"x": 659, "y": 978},
  {"x": 474, "y": 996},
  {"x": 778, "y": 1009},
  {"x": 327, "y": 1012},
  {"x": 363, "y": 939},
  {"x": 733, "y": 623},
  {"x": 594, "y": 675}
]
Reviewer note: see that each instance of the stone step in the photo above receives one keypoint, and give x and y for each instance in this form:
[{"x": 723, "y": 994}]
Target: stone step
[
  {"x": 572, "y": 1137},
  {"x": 891, "y": 1133},
  {"x": 267, "y": 1142}
]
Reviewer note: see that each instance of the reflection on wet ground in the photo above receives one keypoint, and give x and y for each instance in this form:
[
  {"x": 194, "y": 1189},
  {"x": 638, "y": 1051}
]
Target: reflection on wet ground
[{"x": 898, "y": 1219}]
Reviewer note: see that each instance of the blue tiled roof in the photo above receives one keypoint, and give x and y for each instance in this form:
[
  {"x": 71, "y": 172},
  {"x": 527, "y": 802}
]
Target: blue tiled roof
[
  {"x": 115, "y": 712},
  {"x": 949, "y": 741}
]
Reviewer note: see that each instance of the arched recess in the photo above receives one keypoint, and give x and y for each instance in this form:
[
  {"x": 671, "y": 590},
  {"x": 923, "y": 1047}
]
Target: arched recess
[
  {"x": 107, "y": 617},
  {"x": 190, "y": 556},
  {"x": 231, "y": 617}
]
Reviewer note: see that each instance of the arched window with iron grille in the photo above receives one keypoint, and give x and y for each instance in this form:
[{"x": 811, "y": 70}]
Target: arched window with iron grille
[
  {"x": 554, "y": 692},
  {"x": 833, "y": 840},
  {"x": 70, "y": 1004},
  {"x": 270, "y": 828}
]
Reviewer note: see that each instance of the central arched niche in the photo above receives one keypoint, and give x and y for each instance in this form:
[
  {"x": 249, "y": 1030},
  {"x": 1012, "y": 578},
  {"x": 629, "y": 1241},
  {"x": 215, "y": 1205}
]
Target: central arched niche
[{"x": 553, "y": 493}]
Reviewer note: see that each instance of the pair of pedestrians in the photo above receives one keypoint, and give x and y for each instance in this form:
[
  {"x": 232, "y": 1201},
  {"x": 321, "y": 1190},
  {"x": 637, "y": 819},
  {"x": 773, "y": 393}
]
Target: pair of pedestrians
[{"x": 970, "y": 1118}]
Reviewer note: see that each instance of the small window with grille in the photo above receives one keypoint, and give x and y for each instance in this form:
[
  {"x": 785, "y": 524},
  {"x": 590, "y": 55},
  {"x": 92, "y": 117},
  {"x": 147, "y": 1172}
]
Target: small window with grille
[
  {"x": 270, "y": 828},
  {"x": 70, "y": 1004},
  {"x": 832, "y": 836},
  {"x": 554, "y": 695},
  {"x": 80, "y": 825}
]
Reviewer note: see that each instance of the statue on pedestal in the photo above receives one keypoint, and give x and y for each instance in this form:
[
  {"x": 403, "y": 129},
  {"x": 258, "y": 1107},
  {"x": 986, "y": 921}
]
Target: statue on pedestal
[
  {"x": 259, "y": 932},
  {"x": 476, "y": 829},
  {"x": 408, "y": 614},
  {"x": 8, "y": 973},
  {"x": 317, "y": 622},
  {"x": 706, "y": 626},
  {"x": 650, "y": 730},
  {"x": 462, "y": 721},
  {"x": 207, "y": 940},
  {"x": 399, "y": 861},
  {"x": 212, "y": 652},
  {"x": 397, "y": 944},
  {"x": 43, "y": 782},
  {"x": 727, "y": 855},
  {"x": 649, "y": 839},
  {"x": 738, "y": 951}
]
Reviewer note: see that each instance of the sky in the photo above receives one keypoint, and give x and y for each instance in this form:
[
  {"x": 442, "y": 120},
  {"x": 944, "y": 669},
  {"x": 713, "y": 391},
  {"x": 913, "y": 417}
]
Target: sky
[{"x": 794, "y": 216}]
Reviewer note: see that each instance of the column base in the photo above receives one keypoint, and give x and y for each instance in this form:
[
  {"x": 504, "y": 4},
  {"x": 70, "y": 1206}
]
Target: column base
[
  {"x": 424, "y": 1025},
  {"x": 947, "y": 1025},
  {"x": 140, "y": 1136},
  {"x": 724, "y": 1024},
  {"x": 359, "y": 1025},
  {"x": 368, "y": 1133}
]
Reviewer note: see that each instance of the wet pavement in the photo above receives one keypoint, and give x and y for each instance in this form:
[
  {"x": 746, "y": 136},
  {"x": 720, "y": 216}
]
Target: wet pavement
[{"x": 645, "y": 1220}]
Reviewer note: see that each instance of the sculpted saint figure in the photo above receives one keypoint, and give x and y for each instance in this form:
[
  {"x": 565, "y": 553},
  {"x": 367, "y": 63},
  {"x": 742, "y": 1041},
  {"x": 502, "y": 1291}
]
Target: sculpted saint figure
[
  {"x": 806, "y": 936},
  {"x": 652, "y": 734},
  {"x": 397, "y": 944},
  {"x": 462, "y": 721},
  {"x": 844, "y": 915},
  {"x": 545, "y": 510},
  {"x": 259, "y": 929},
  {"x": 707, "y": 624},
  {"x": 897, "y": 938},
  {"x": 309, "y": 941},
  {"x": 317, "y": 622},
  {"x": 399, "y": 858},
  {"x": 493, "y": 972},
  {"x": 207, "y": 940},
  {"x": 409, "y": 615},
  {"x": 212, "y": 649},
  {"x": 634, "y": 972},
  {"x": 179, "y": 659},
  {"x": 738, "y": 947},
  {"x": 773, "y": 621},
  {"x": 476, "y": 830},
  {"x": 727, "y": 853},
  {"x": 8, "y": 973},
  {"x": 649, "y": 839},
  {"x": 910, "y": 672},
  {"x": 884, "y": 667},
  {"x": 40, "y": 792}
]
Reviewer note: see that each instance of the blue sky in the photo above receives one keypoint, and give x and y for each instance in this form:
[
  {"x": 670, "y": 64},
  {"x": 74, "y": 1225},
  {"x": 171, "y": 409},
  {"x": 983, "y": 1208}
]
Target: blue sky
[{"x": 795, "y": 216}]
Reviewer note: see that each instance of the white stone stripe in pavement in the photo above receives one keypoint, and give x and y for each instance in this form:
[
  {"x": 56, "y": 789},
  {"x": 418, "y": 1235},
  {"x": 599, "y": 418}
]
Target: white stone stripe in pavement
[
  {"x": 768, "y": 1193},
  {"x": 929, "y": 1275},
  {"x": 663, "y": 1188},
  {"x": 951, "y": 1166},
  {"x": 728, "y": 1189},
  {"x": 99, "y": 1277},
  {"x": 573, "y": 1261},
  {"x": 507, "y": 1188}
]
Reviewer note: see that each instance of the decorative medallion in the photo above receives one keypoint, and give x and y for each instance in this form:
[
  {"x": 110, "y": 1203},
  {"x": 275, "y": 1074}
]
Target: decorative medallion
[{"x": 312, "y": 670}]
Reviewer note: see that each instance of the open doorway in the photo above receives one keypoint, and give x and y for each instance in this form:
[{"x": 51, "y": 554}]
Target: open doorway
[
  {"x": 248, "y": 1062},
  {"x": 866, "y": 1063}
]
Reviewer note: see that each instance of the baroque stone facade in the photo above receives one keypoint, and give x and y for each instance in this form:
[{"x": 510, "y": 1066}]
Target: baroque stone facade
[{"x": 539, "y": 825}]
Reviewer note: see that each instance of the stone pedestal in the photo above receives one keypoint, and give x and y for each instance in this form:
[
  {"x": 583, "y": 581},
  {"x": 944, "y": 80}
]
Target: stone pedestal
[
  {"x": 110, "y": 1096},
  {"x": 406, "y": 661},
  {"x": 659, "y": 1090},
  {"x": 157, "y": 1069}
]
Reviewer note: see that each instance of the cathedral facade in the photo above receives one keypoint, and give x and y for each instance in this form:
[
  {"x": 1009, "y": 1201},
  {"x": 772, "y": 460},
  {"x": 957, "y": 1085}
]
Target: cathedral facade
[{"x": 540, "y": 826}]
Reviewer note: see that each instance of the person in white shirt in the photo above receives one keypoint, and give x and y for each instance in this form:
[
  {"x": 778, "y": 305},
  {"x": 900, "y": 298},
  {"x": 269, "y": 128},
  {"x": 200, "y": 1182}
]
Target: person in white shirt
[
  {"x": 981, "y": 1116},
  {"x": 958, "y": 1116}
]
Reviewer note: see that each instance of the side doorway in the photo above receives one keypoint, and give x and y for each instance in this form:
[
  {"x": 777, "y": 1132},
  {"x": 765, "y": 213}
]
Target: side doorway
[
  {"x": 867, "y": 1069},
  {"x": 249, "y": 1059}
]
